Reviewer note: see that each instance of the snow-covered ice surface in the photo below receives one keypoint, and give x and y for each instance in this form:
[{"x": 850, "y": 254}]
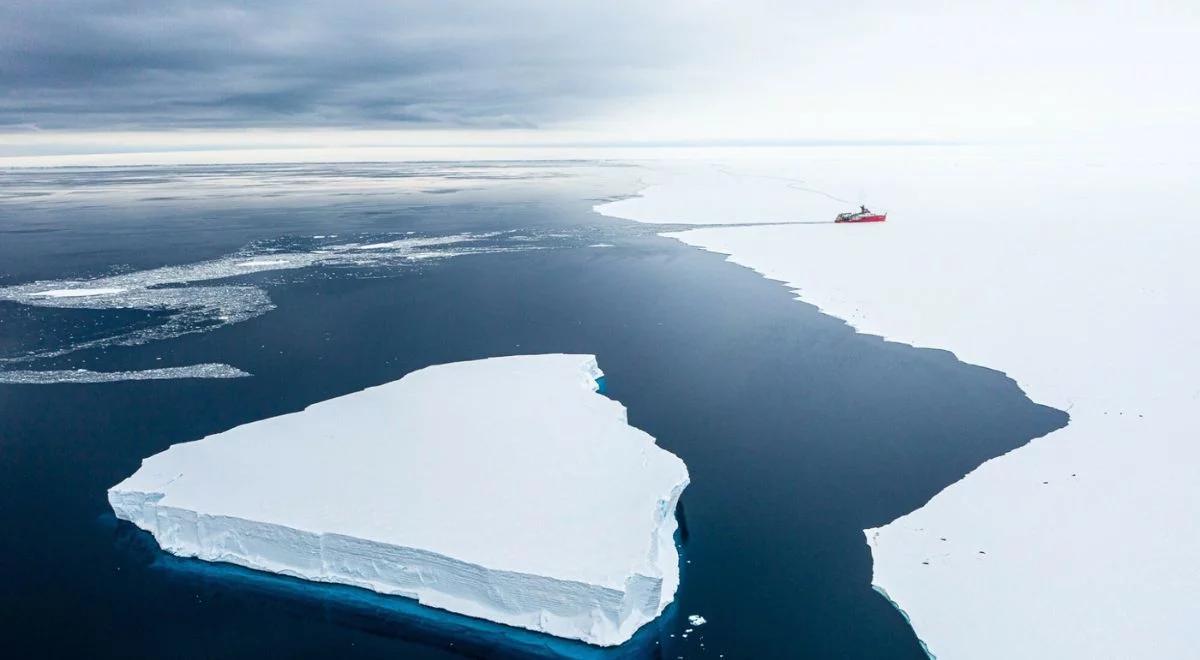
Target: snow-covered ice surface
[
  {"x": 1074, "y": 273},
  {"x": 505, "y": 489},
  {"x": 50, "y": 376},
  {"x": 703, "y": 193}
]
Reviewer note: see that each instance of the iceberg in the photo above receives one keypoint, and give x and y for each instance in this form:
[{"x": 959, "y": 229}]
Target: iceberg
[
  {"x": 506, "y": 489},
  {"x": 1074, "y": 273}
]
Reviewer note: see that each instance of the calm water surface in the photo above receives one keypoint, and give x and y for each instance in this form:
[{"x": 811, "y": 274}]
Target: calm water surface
[{"x": 798, "y": 432}]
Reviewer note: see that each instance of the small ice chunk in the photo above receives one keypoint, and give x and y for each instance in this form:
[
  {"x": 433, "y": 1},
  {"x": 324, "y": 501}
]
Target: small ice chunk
[{"x": 696, "y": 620}]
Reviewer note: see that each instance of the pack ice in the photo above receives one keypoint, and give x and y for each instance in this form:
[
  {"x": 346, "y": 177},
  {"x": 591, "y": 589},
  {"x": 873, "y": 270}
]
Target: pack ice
[{"x": 506, "y": 489}]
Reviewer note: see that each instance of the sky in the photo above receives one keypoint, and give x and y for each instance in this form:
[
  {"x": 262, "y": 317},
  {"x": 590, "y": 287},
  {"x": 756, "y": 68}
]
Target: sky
[{"x": 120, "y": 76}]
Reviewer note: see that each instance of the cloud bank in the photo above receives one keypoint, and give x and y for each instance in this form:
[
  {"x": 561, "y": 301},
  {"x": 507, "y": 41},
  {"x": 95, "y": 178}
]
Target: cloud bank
[
  {"x": 186, "y": 74},
  {"x": 167, "y": 64}
]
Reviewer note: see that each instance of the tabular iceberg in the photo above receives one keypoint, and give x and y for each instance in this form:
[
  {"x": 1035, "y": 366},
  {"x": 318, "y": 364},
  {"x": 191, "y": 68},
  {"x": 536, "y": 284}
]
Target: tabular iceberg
[{"x": 505, "y": 489}]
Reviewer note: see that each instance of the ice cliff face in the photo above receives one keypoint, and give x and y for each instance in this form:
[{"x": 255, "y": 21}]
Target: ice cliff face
[{"x": 505, "y": 489}]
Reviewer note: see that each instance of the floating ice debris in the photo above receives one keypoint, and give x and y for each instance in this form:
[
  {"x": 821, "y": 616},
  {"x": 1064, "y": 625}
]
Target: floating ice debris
[
  {"x": 506, "y": 489},
  {"x": 196, "y": 303},
  {"x": 78, "y": 293},
  {"x": 206, "y": 370},
  {"x": 410, "y": 243},
  {"x": 258, "y": 263},
  {"x": 696, "y": 620}
]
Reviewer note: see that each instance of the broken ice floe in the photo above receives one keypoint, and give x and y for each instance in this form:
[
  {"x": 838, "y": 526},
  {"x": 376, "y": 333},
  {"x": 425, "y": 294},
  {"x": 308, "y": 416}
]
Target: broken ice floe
[
  {"x": 206, "y": 295},
  {"x": 77, "y": 293},
  {"x": 206, "y": 370}
]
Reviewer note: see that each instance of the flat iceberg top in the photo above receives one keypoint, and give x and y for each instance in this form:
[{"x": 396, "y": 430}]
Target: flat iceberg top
[{"x": 512, "y": 464}]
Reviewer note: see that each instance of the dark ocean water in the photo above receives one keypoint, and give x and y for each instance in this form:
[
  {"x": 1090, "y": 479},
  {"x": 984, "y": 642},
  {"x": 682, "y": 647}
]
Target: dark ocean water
[{"x": 798, "y": 432}]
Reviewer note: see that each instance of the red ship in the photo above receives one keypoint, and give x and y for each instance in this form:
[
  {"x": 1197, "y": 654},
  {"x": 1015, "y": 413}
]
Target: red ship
[{"x": 865, "y": 215}]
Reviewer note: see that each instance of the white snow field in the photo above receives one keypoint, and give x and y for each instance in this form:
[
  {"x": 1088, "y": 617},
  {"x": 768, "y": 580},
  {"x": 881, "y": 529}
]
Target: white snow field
[
  {"x": 506, "y": 489},
  {"x": 1078, "y": 276}
]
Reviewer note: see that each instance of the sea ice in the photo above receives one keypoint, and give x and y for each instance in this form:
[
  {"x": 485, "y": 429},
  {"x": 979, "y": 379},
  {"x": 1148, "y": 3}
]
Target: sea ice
[
  {"x": 259, "y": 263},
  {"x": 48, "y": 377},
  {"x": 704, "y": 193},
  {"x": 198, "y": 297},
  {"x": 1076, "y": 274},
  {"x": 78, "y": 293},
  {"x": 505, "y": 489}
]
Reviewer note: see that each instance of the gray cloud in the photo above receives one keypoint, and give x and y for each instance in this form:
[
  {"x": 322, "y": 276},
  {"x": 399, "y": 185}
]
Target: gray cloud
[
  {"x": 160, "y": 64},
  {"x": 124, "y": 75}
]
